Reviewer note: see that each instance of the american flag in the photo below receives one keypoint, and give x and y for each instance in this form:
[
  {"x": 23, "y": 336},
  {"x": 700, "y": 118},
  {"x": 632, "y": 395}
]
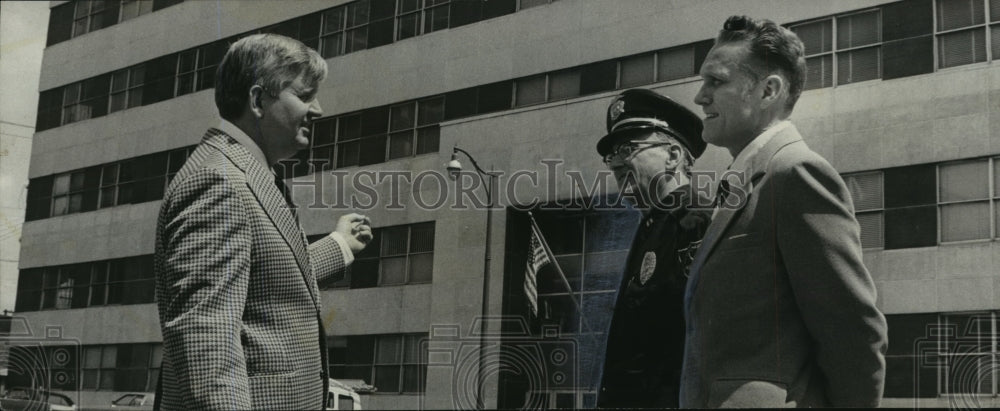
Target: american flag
[{"x": 537, "y": 258}]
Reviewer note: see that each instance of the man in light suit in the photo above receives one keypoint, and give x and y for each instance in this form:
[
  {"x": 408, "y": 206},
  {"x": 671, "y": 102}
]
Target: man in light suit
[
  {"x": 236, "y": 282},
  {"x": 780, "y": 309}
]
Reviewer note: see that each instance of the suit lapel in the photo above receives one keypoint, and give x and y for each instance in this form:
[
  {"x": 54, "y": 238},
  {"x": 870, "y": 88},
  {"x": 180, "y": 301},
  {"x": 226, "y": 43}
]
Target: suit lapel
[
  {"x": 754, "y": 176},
  {"x": 261, "y": 184}
]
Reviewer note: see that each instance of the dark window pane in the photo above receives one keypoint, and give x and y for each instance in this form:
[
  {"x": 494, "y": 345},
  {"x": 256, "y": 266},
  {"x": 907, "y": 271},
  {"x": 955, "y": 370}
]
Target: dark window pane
[
  {"x": 372, "y": 150},
  {"x": 347, "y": 154},
  {"x": 465, "y": 12},
  {"x": 422, "y": 237},
  {"x": 387, "y": 378},
  {"x": 349, "y": 127},
  {"x": 461, "y": 103},
  {"x": 427, "y": 139},
  {"x": 496, "y": 8},
  {"x": 409, "y": 26},
  {"x": 382, "y": 9},
  {"x": 40, "y": 187},
  {"x": 361, "y": 349},
  {"x": 910, "y": 333},
  {"x": 421, "y": 268},
  {"x": 430, "y": 111},
  {"x": 324, "y": 132},
  {"x": 394, "y": 240},
  {"x": 393, "y": 271},
  {"x": 909, "y": 186},
  {"x": 436, "y": 18},
  {"x": 374, "y": 121},
  {"x": 910, "y": 227},
  {"x": 564, "y": 84},
  {"x": 530, "y": 90},
  {"x": 380, "y": 33},
  {"x": 495, "y": 97},
  {"x": 364, "y": 273},
  {"x": 401, "y": 144},
  {"x": 905, "y": 19},
  {"x": 907, "y": 57},
  {"x": 637, "y": 70},
  {"x": 598, "y": 77},
  {"x": 401, "y": 117},
  {"x": 60, "y": 24},
  {"x": 357, "y": 39}
]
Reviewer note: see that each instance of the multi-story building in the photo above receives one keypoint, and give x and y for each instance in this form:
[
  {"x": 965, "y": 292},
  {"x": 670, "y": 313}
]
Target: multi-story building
[{"x": 903, "y": 98}]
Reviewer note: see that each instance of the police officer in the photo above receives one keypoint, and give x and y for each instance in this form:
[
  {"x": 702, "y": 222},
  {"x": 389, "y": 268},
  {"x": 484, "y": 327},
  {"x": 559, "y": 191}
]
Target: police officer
[{"x": 651, "y": 145}]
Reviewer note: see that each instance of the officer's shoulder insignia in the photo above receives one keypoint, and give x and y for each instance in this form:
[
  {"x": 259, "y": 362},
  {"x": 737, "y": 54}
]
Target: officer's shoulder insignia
[
  {"x": 647, "y": 268},
  {"x": 617, "y": 109}
]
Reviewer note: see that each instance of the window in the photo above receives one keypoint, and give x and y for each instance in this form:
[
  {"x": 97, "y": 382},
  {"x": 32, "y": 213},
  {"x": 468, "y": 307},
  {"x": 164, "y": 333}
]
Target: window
[
  {"x": 332, "y": 35},
  {"x": 88, "y": 16},
  {"x": 913, "y": 351},
  {"x": 850, "y": 56},
  {"x": 408, "y": 13},
  {"x": 436, "y": 14},
  {"x": 413, "y": 127},
  {"x": 910, "y": 206},
  {"x": 964, "y": 200},
  {"x": 927, "y": 204},
  {"x": 394, "y": 364},
  {"x": 126, "y": 88},
  {"x": 134, "y": 8},
  {"x": 357, "y": 26},
  {"x": 968, "y": 343},
  {"x": 636, "y": 70},
  {"x": 120, "y": 281},
  {"x": 591, "y": 248},
  {"x": 121, "y": 367},
  {"x": 676, "y": 63},
  {"x": 564, "y": 84},
  {"x": 85, "y": 99},
  {"x": 866, "y": 192},
  {"x": 402, "y": 255},
  {"x": 530, "y": 90},
  {"x": 961, "y": 32}
]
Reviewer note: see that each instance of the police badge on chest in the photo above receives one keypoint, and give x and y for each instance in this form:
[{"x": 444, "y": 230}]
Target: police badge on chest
[{"x": 648, "y": 267}]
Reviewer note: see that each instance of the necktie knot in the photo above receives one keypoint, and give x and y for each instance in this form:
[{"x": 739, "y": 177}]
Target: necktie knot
[{"x": 722, "y": 193}]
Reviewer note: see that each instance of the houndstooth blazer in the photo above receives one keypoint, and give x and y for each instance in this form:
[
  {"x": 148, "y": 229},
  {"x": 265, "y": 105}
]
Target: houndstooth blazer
[{"x": 236, "y": 288}]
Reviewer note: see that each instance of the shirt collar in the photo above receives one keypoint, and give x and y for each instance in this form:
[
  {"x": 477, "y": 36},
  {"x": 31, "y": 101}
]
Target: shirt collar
[
  {"x": 241, "y": 137},
  {"x": 745, "y": 157}
]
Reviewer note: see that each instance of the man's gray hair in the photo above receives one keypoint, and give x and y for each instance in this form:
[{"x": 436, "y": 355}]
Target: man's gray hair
[
  {"x": 688, "y": 160},
  {"x": 269, "y": 60}
]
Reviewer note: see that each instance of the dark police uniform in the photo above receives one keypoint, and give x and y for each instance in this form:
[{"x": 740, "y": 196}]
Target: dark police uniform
[
  {"x": 645, "y": 347},
  {"x": 646, "y": 340}
]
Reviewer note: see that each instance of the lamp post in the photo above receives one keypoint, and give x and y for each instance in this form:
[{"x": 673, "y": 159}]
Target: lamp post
[{"x": 454, "y": 170}]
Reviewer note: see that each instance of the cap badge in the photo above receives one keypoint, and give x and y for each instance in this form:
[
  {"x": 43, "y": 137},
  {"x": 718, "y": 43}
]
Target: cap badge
[{"x": 617, "y": 109}]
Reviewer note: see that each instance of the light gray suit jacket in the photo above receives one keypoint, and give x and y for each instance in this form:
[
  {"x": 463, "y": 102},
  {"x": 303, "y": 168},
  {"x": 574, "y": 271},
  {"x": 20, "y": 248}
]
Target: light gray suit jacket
[
  {"x": 236, "y": 288},
  {"x": 780, "y": 309}
]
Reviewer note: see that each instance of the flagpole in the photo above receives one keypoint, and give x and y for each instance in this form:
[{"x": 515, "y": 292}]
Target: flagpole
[{"x": 562, "y": 276}]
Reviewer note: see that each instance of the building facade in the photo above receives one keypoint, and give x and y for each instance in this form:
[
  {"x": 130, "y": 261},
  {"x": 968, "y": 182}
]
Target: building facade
[{"x": 903, "y": 98}]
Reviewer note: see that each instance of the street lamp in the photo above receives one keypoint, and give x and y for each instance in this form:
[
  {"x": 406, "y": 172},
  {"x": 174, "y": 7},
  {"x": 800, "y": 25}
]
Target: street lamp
[{"x": 454, "y": 170}]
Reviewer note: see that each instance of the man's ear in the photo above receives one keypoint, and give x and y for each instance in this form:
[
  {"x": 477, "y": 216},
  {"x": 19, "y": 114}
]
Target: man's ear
[
  {"x": 773, "y": 88},
  {"x": 675, "y": 156},
  {"x": 256, "y": 105}
]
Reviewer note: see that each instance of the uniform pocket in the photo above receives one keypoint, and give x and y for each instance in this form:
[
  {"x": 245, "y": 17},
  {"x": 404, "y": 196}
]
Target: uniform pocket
[{"x": 747, "y": 393}]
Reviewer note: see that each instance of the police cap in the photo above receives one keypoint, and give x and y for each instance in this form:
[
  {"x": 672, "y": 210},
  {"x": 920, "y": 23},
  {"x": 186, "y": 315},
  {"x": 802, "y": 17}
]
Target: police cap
[{"x": 639, "y": 109}]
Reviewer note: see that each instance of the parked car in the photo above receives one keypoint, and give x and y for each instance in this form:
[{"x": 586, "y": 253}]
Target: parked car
[
  {"x": 343, "y": 394},
  {"x": 28, "y": 399},
  {"x": 134, "y": 401}
]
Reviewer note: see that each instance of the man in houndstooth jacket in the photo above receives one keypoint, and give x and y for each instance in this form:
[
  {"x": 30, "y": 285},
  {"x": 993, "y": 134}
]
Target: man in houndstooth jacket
[{"x": 236, "y": 282}]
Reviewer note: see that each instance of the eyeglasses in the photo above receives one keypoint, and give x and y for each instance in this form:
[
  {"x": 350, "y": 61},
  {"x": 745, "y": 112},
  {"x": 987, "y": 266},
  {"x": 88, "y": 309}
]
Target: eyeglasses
[{"x": 628, "y": 149}]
